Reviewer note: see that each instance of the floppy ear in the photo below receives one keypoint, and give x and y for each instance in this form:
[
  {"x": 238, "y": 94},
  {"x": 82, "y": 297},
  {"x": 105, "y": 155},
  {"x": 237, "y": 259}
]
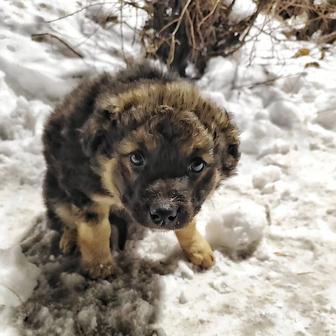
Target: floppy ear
[
  {"x": 226, "y": 138},
  {"x": 96, "y": 135}
]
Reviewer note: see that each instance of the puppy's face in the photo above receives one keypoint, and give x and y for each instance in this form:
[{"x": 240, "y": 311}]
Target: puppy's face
[
  {"x": 165, "y": 169},
  {"x": 164, "y": 149}
]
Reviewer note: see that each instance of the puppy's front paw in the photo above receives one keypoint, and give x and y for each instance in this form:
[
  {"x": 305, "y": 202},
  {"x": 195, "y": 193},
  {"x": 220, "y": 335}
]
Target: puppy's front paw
[
  {"x": 99, "y": 270},
  {"x": 200, "y": 253}
]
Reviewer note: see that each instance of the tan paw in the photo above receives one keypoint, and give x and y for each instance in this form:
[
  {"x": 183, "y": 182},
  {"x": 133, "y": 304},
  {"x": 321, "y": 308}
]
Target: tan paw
[
  {"x": 200, "y": 254},
  {"x": 99, "y": 270},
  {"x": 68, "y": 242}
]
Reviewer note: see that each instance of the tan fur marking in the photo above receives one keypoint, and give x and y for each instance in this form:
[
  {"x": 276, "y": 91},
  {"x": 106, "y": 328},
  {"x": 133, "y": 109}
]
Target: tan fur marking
[
  {"x": 194, "y": 245},
  {"x": 208, "y": 157},
  {"x": 127, "y": 146},
  {"x": 104, "y": 199},
  {"x": 109, "y": 103},
  {"x": 149, "y": 140},
  {"x": 65, "y": 211},
  {"x": 93, "y": 240},
  {"x": 187, "y": 149},
  {"x": 94, "y": 244},
  {"x": 130, "y": 144},
  {"x": 68, "y": 240},
  {"x": 107, "y": 166}
]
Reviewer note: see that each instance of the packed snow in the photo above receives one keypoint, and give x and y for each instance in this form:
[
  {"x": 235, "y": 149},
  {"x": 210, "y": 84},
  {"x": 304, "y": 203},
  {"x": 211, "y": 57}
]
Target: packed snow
[
  {"x": 238, "y": 228},
  {"x": 273, "y": 225}
]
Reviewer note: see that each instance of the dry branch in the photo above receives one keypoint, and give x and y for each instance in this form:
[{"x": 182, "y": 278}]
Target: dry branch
[
  {"x": 44, "y": 37},
  {"x": 179, "y": 32},
  {"x": 316, "y": 18}
]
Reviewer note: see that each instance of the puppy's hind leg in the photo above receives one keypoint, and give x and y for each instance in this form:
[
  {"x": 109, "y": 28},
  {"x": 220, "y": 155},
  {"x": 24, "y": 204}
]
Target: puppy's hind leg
[{"x": 194, "y": 245}]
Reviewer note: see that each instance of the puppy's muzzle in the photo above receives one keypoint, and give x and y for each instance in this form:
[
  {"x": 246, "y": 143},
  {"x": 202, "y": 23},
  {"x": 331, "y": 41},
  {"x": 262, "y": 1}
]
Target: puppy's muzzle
[{"x": 163, "y": 213}]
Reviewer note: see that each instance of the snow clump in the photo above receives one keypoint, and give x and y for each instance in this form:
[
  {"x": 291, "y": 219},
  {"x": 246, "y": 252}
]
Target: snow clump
[
  {"x": 326, "y": 115},
  {"x": 238, "y": 228},
  {"x": 284, "y": 114},
  {"x": 241, "y": 10},
  {"x": 18, "y": 277},
  {"x": 266, "y": 175}
]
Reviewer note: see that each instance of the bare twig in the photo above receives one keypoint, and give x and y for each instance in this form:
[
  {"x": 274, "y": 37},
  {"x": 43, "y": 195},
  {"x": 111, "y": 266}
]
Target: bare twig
[
  {"x": 181, "y": 17},
  {"x": 37, "y": 37},
  {"x": 79, "y": 10},
  {"x": 267, "y": 82},
  {"x": 327, "y": 38},
  {"x": 173, "y": 35},
  {"x": 122, "y": 27},
  {"x": 168, "y": 25},
  {"x": 130, "y": 3},
  {"x": 231, "y": 6},
  {"x": 210, "y": 14}
]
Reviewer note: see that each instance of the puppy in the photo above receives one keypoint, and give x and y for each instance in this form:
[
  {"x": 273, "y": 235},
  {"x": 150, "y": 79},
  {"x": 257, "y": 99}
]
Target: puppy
[{"x": 144, "y": 141}]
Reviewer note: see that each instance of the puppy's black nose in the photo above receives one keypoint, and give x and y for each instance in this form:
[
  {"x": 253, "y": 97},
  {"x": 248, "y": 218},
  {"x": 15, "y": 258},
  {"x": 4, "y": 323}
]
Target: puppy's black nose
[{"x": 163, "y": 215}]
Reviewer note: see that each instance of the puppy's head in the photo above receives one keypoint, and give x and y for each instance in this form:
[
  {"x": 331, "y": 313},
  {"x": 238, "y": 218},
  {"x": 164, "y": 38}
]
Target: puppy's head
[{"x": 162, "y": 150}]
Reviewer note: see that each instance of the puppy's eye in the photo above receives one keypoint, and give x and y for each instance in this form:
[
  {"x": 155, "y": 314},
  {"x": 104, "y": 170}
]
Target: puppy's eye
[
  {"x": 196, "y": 165},
  {"x": 137, "y": 159}
]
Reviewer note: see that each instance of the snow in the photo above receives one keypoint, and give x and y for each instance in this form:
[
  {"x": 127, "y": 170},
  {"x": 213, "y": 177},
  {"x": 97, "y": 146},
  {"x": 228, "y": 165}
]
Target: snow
[
  {"x": 241, "y": 9},
  {"x": 18, "y": 277},
  {"x": 283, "y": 114},
  {"x": 265, "y": 176},
  {"x": 280, "y": 206},
  {"x": 238, "y": 228},
  {"x": 326, "y": 113}
]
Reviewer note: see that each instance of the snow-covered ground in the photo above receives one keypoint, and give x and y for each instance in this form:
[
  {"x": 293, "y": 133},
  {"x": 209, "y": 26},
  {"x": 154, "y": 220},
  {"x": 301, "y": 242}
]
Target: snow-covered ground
[{"x": 281, "y": 206}]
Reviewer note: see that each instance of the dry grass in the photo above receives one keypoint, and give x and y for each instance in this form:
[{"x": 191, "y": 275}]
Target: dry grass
[
  {"x": 319, "y": 19},
  {"x": 193, "y": 30}
]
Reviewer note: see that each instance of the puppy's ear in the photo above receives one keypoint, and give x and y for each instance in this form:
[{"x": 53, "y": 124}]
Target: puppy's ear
[
  {"x": 97, "y": 133},
  {"x": 226, "y": 138}
]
